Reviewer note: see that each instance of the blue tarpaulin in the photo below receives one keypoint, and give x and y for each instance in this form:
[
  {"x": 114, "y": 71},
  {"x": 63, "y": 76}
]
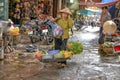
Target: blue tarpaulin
[
  {"x": 104, "y": 3},
  {"x": 107, "y": 1}
]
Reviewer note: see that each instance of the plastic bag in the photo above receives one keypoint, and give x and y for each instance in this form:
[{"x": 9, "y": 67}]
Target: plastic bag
[
  {"x": 14, "y": 30},
  {"x": 57, "y": 32}
]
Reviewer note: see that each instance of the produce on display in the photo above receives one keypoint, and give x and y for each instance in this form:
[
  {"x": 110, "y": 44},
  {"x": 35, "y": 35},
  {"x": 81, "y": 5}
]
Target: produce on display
[
  {"x": 59, "y": 56},
  {"x": 108, "y": 44},
  {"x": 14, "y": 30},
  {"x": 75, "y": 47},
  {"x": 38, "y": 55},
  {"x": 108, "y": 48},
  {"x": 72, "y": 48},
  {"x": 44, "y": 55}
]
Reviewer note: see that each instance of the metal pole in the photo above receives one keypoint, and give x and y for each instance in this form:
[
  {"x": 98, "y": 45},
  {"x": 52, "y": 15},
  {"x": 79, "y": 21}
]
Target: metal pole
[
  {"x": 2, "y": 46},
  {"x": 6, "y": 6}
]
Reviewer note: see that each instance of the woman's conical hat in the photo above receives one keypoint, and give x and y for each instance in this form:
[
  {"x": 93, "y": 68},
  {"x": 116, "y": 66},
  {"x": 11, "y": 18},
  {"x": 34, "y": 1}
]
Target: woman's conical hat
[
  {"x": 65, "y": 10},
  {"x": 109, "y": 27}
]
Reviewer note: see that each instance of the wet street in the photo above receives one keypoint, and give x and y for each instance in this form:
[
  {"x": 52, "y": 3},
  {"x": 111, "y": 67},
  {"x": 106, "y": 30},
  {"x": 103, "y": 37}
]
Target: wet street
[{"x": 85, "y": 66}]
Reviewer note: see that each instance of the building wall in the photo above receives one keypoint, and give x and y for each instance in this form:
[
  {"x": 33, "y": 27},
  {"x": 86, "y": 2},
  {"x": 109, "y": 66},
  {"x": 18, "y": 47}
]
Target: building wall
[{"x": 58, "y": 5}]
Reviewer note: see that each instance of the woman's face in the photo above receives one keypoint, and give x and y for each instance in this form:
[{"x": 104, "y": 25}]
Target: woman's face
[
  {"x": 104, "y": 11},
  {"x": 17, "y": 6},
  {"x": 64, "y": 15}
]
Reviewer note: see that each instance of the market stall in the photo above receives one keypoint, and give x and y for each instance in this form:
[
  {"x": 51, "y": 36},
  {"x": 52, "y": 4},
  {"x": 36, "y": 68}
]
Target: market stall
[
  {"x": 21, "y": 11},
  {"x": 8, "y": 37}
]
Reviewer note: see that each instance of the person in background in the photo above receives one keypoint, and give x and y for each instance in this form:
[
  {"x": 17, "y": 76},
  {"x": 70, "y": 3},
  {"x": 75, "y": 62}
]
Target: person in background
[
  {"x": 17, "y": 14},
  {"x": 105, "y": 16},
  {"x": 66, "y": 23},
  {"x": 33, "y": 12}
]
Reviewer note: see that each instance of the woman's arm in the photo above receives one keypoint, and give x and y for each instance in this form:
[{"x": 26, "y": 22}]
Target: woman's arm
[{"x": 70, "y": 22}]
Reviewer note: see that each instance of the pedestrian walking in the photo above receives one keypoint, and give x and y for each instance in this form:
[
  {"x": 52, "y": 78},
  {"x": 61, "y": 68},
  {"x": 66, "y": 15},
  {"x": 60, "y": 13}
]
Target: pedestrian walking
[
  {"x": 66, "y": 23},
  {"x": 105, "y": 16}
]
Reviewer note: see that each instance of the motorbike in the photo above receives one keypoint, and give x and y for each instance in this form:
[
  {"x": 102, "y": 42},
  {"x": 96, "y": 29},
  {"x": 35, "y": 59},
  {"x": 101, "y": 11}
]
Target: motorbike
[
  {"x": 35, "y": 31},
  {"x": 42, "y": 32},
  {"x": 78, "y": 24},
  {"x": 46, "y": 32}
]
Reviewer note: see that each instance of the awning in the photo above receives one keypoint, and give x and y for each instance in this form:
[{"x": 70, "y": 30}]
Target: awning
[
  {"x": 90, "y": 0},
  {"x": 85, "y": 12},
  {"x": 88, "y": 12},
  {"x": 106, "y": 3},
  {"x": 103, "y": 3}
]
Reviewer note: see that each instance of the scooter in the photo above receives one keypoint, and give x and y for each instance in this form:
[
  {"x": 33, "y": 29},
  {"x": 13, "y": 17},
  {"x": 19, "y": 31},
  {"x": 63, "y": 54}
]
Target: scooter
[
  {"x": 35, "y": 32},
  {"x": 78, "y": 24},
  {"x": 46, "y": 34}
]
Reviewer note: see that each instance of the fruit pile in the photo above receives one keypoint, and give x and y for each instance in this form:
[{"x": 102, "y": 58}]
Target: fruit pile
[{"x": 42, "y": 55}]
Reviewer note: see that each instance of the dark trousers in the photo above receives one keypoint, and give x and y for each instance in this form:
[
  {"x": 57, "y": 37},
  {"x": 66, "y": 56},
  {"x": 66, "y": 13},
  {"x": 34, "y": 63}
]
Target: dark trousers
[
  {"x": 60, "y": 44},
  {"x": 101, "y": 36}
]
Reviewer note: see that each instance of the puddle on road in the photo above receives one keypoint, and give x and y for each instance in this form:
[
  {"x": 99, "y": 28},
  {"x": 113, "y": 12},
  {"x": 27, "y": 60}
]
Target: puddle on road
[
  {"x": 17, "y": 70},
  {"x": 91, "y": 65}
]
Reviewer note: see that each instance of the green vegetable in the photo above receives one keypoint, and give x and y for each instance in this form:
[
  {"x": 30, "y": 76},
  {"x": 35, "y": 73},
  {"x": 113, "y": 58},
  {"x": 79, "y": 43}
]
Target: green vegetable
[
  {"x": 108, "y": 44},
  {"x": 61, "y": 52},
  {"x": 76, "y": 47}
]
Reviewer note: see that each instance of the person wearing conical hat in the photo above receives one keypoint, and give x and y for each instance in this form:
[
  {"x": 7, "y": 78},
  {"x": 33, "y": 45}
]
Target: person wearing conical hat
[
  {"x": 105, "y": 16},
  {"x": 66, "y": 22}
]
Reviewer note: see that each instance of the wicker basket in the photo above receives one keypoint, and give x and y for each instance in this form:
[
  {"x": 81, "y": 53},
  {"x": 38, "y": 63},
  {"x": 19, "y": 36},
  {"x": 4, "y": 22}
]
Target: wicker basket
[{"x": 108, "y": 51}]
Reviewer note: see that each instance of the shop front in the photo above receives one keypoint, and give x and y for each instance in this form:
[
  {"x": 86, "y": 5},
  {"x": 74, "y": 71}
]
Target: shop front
[
  {"x": 21, "y": 10},
  {"x": 24, "y": 10}
]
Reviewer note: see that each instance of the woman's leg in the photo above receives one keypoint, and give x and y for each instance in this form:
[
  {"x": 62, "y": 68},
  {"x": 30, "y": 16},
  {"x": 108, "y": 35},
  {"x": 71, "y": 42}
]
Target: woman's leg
[
  {"x": 58, "y": 43},
  {"x": 64, "y": 43},
  {"x": 101, "y": 39},
  {"x": 101, "y": 36}
]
